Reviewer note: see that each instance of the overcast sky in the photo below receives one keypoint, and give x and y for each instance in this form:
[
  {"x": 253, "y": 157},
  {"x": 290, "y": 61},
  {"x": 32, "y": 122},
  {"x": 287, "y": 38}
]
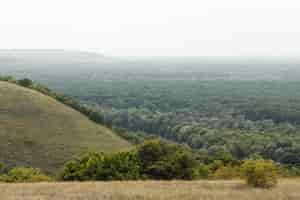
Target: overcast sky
[{"x": 154, "y": 27}]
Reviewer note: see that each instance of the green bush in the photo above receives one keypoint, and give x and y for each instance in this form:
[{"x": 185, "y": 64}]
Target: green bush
[
  {"x": 204, "y": 171},
  {"x": 120, "y": 166},
  {"x": 260, "y": 173},
  {"x": 97, "y": 166},
  {"x": 84, "y": 168},
  {"x": 154, "y": 160},
  {"x": 227, "y": 172},
  {"x": 21, "y": 175},
  {"x": 161, "y": 160}
]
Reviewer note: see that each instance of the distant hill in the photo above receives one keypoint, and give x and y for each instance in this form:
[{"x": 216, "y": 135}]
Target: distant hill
[
  {"x": 38, "y": 131},
  {"x": 49, "y": 56}
]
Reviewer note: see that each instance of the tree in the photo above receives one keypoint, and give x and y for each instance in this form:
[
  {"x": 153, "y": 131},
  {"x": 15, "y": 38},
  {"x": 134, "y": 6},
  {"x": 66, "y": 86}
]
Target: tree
[
  {"x": 120, "y": 166},
  {"x": 161, "y": 160}
]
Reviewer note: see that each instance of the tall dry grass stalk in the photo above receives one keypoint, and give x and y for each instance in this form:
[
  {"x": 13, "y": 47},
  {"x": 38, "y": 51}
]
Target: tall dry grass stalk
[{"x": 149, "y": 190}]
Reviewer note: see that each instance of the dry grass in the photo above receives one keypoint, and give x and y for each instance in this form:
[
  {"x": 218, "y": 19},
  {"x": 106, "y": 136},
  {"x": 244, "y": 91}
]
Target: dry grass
[
  {"x": 38, "y": 131},
  {"x": 149, "y": 190}
]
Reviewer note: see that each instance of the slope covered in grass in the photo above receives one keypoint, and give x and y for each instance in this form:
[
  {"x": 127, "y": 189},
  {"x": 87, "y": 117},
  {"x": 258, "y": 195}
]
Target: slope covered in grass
[{"x": 38, "y": 131}]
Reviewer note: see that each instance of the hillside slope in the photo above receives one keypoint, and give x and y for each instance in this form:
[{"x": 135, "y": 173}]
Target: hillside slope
[{"x": 38, "y": 131}]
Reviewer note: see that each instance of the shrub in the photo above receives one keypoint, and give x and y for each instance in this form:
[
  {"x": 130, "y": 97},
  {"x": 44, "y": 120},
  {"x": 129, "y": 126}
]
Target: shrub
[
  {"x": 204, "y": 171},
  {"x": 161, "y": 160},
  {"x": 120, "y": 166},
  {"x": 227, "y": 172},
  {"x": 98, "y": 166},
  {"x": 21, "y": 174},
  {"x": 25, "y": 82},
  {"x": 154, "y": 159},
  {"x": 82, "y": 169},
  {"x": 260, "y": 173}
]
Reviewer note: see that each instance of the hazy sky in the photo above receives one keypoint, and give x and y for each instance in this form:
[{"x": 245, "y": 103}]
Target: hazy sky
[{"x": 154, "y": 27}]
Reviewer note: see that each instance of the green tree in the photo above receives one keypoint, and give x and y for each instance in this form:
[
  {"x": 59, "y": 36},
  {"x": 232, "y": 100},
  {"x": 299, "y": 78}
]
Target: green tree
[
  {"x": 161, "y": 160},
  {"x": 120, "y": 166}
]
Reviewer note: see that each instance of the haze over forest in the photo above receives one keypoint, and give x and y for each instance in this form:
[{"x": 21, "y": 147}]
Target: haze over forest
[
  {"x": 135, "y": 92},
  {"x": 36, "y": 64}
]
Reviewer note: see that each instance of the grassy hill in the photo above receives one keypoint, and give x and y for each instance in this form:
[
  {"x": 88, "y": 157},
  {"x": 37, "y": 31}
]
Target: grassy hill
[{"x": 38, "y": 131}]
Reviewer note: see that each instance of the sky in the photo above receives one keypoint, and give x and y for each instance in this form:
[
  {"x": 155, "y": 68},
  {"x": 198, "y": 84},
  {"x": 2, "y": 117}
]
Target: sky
[{"x": 154, "y": 27}]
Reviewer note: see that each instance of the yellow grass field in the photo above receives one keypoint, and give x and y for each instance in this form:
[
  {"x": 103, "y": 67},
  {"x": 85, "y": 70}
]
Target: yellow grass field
[{"x": 150, "y": 190}]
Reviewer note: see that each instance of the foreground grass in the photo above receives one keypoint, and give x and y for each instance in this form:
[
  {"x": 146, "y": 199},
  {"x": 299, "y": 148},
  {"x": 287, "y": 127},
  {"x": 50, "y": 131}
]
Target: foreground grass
[{"x": 149, "y": 190}]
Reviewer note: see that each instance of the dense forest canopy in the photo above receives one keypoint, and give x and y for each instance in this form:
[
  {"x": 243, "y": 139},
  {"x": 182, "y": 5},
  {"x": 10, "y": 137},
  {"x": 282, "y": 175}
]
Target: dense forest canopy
[{"x": 241, "y": 106}]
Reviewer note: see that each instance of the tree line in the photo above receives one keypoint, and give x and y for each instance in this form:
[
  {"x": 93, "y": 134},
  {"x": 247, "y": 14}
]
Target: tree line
[{"x": 154, "y": 160}]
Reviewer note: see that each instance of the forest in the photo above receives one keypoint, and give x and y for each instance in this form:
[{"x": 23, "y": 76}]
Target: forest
[
  {"x": 242, "y": 107},
  {"x": 242, "y": 118},
  {"x": 210, "y": 148}
]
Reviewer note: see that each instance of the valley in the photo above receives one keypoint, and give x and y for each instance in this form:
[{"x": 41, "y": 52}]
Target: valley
[{"x": 243, "y": 106}]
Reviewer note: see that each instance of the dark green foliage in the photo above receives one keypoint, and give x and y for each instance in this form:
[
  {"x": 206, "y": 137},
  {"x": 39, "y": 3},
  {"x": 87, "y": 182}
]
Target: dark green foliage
[
  {"x": 204, "y": 171},
  {"x": 134, "y": 137},
  {"x": 241, "y": 117},
  {"x": 120, "y": 166},
  {"x": 237, "y": 135},
  {"x": 84, "y": 168},
  {"x": 25, "y": 82},
  {"x": 153, "y": 160},
  {"x": 2, "y": 169},
  {"x": 161, "y": 160}
]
